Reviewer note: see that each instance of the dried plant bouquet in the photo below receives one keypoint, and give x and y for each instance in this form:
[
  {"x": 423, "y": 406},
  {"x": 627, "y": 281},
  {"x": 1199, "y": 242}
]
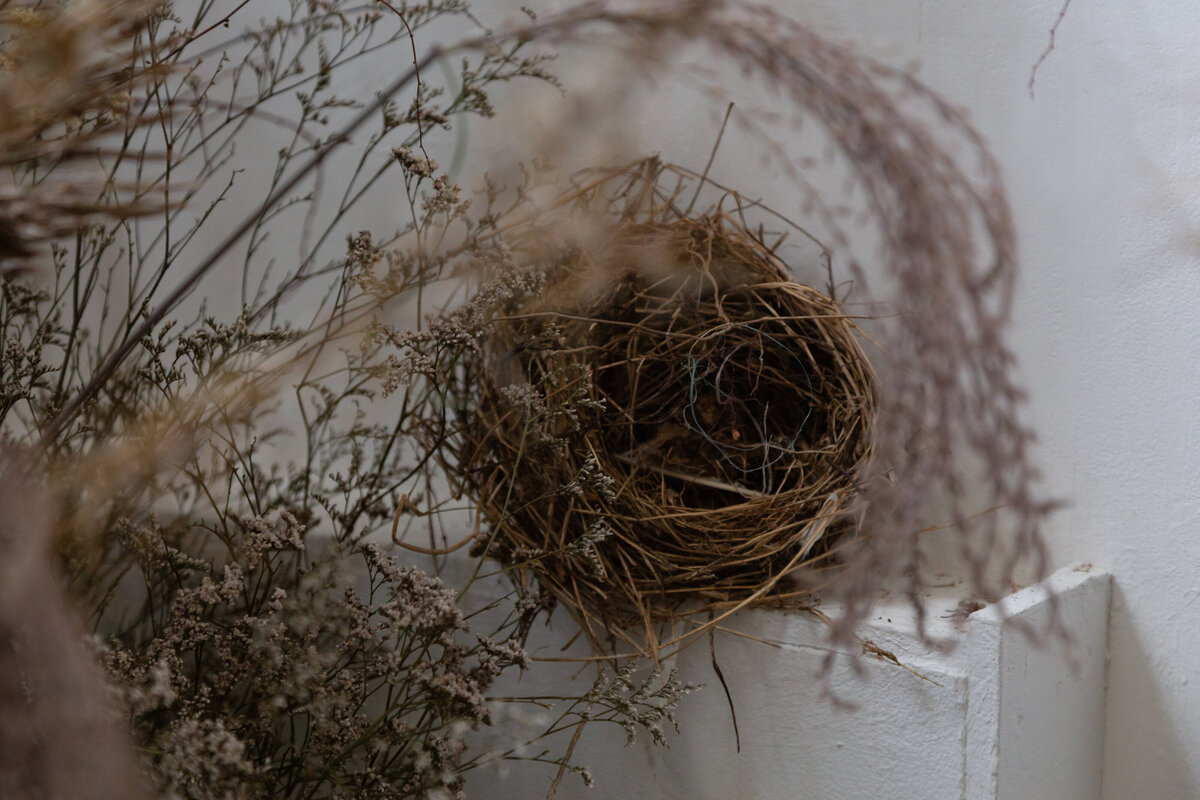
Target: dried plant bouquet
[{"x": 212, "y": 410}]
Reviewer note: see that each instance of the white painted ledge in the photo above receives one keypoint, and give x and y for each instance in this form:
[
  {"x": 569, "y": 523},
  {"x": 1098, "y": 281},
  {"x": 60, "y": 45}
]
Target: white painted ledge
[{"x": 999, "y": 717}]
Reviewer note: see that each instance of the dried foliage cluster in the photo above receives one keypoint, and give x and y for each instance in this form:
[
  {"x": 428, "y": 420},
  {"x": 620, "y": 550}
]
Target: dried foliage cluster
[
  {"x": 241, "y": 635},
  {"x": 207, "y": 461}
]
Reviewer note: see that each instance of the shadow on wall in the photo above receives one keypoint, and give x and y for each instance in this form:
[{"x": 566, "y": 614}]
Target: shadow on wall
[{"x": 1138, "y": 712}]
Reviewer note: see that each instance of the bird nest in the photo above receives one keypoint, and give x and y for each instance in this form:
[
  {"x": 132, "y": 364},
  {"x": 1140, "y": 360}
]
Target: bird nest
[{"x": 673, "y": 417}]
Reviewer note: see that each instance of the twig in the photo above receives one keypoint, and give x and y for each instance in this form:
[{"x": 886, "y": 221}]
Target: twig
[
  {"x": 711, "y": 483},
  {"x": 222, "y": 22},
  {"x": 406, "y": 506},
  {"x": 712, "y": 650},
  {"x": 887, "y": 655},
  {"x": 566, "y": 759},
  {"x": 416, "y": 74},
  {"x": 711, "y": 158},
  {"x": 1049, "y": 47}
]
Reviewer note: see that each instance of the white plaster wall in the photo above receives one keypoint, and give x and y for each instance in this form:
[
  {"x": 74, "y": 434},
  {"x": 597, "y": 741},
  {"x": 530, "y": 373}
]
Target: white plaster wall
[
  {"x": 997, "y": 719},
  {"x": 1103, "y": 168}
]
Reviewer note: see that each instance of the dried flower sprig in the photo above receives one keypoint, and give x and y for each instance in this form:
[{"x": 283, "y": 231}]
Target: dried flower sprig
[{"x": 247, "y": 656}]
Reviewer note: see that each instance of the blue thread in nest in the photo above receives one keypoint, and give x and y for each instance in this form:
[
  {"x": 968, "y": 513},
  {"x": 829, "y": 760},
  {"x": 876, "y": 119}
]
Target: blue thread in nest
[{"x": 699, "y": 385}]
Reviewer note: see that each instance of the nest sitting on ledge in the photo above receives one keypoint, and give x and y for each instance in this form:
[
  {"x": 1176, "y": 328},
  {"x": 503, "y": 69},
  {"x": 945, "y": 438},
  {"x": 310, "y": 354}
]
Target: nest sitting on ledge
[{"x": 692, "y": 425}]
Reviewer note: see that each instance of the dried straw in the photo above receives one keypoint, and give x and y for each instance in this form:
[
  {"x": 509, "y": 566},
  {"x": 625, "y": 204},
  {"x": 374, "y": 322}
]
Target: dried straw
[{"x": 731, "y": 406}]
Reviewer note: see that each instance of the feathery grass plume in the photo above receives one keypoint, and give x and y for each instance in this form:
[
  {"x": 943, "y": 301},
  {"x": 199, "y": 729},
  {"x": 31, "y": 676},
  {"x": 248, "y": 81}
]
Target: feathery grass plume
[
  {"x": 951, "y": 446},
  {"x": 61, "y": 733},
  {"x": 68, "y": 76}
]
